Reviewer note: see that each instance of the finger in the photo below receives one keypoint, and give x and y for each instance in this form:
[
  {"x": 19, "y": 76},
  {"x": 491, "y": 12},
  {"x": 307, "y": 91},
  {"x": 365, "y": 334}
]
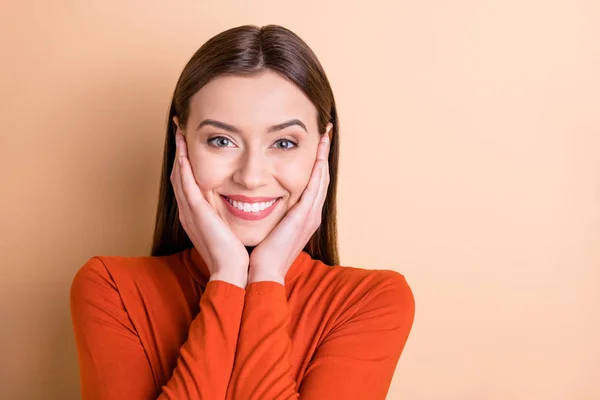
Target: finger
[
  {"x": 176, "y": 182},
  {"x": 182, "y": 145},
  {"x": 189, "y": 187},
  {"x": 322, "y": 156},
  {"x": 312, "y": 189},
  {"x": 309, "y": 196},
  {"x": 323, "y": 187},
  {"x": 175, "y": 179},
  {"x": 323, "y": 148}
]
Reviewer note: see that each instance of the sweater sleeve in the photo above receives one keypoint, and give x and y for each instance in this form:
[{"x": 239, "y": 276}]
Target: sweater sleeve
[
  {"x": 112, "y": 360},
  {"x": 356, "y": 360}
]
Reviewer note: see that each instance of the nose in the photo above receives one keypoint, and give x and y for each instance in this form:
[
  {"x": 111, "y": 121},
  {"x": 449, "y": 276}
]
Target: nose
[{"x": 252, "y": 170}]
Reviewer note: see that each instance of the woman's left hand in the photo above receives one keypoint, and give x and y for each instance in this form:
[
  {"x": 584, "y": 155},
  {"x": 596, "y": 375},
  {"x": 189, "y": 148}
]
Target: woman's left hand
[{"x": 273, "y": 257}]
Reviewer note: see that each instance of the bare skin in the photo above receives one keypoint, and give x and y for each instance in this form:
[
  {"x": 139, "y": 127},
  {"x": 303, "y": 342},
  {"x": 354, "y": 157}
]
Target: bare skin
[
  {"x": 226, "y": 257},
  {"x": 252, "y": 160}
]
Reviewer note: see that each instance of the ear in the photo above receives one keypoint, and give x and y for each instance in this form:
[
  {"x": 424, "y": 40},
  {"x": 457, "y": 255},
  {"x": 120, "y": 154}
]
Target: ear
[
  {"x": 178, "y": 128},
  {"x": 328, "y": 130}
]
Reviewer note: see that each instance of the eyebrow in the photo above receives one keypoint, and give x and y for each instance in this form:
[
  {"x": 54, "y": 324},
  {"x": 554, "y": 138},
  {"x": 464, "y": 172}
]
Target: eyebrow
[{"x": 233, "y": 129}]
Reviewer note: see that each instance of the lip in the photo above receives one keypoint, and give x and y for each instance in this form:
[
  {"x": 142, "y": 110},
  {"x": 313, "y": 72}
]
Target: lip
[{"x": 250, "y": 216}]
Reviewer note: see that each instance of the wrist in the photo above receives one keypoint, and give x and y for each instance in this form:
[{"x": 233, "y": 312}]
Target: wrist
[
  {"x": 262, "y": 276},
  {"x": 234, "y": 279}
]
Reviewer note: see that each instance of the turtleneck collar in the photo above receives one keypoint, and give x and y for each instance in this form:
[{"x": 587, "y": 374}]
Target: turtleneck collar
[{"x": 199, "y": 271}]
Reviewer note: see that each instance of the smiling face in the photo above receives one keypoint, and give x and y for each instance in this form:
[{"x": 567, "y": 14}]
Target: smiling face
[{"x": 252, "y": 142}]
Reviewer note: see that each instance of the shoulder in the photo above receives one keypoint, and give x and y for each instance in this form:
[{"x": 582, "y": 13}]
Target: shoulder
[
  {"x": 374, "y": 305},
  {"x": 91, "y": 278},
  {"x": 391, "y": 291},
  {"x": 386, "y": 288},
  {"x": 365, "y": 290},
  {"x": 127, "y": 276},
  {"x": 109, "y": 269},
  {"x": 371, "y": 282}
]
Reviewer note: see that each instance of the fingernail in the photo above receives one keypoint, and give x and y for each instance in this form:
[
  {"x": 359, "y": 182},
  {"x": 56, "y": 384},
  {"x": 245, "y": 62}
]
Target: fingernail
[{"x": 326, "y": 138}]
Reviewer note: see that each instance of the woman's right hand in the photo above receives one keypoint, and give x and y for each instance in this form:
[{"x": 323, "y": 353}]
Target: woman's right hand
[{"x": 225, "y": 256}]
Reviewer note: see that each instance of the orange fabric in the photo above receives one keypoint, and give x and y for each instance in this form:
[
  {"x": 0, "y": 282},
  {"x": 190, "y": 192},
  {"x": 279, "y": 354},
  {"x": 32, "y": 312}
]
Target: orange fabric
[{"x": 154, "y": 327}]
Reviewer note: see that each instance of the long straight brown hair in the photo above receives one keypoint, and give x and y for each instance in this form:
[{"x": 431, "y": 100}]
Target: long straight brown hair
[{"x": 244, "y": 51}]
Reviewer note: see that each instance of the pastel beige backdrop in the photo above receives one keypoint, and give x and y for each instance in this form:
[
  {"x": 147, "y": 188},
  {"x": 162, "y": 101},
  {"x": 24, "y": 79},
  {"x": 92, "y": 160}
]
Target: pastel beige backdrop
[{"x": 470, "y": 162}]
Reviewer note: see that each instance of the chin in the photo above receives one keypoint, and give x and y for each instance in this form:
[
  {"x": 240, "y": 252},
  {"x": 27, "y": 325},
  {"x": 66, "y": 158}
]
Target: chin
[{"x": 250, "y": 239}]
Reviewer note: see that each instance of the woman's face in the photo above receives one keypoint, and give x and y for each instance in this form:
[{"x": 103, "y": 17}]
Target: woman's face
[{"x": 252, "y": 143}]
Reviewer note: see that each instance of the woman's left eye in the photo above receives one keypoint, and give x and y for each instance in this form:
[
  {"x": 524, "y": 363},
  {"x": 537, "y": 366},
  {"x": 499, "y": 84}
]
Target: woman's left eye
[{"x": 284, "y": 144}]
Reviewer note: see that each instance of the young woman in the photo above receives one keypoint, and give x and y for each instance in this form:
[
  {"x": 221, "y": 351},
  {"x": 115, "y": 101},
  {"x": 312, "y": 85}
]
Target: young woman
[{"x": 242, "y": 296}]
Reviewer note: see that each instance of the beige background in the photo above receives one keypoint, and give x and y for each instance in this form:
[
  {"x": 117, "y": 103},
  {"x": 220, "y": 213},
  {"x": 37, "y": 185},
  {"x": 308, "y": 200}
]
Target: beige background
[{"x": 470, "y": 162}]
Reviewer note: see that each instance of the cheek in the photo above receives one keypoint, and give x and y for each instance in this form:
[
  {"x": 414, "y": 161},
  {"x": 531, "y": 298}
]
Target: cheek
[
  {"x": 209, "y": 171},
  {"x": 294, "y": 176}
]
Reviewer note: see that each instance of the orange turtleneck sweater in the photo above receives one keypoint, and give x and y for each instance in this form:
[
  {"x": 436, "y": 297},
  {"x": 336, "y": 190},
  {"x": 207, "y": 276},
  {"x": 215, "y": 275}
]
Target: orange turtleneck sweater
[{"x": 155, "y": 327}]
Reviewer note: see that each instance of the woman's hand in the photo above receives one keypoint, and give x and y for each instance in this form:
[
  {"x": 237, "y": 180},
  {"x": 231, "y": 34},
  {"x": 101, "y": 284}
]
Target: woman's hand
[
  {"x": 225, "y": 256},
  {"x": 272, "y": 258}
]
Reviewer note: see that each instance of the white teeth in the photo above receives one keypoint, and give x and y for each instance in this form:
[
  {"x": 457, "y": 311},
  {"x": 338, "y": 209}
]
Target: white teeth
[{"x": 251, "y": 207}]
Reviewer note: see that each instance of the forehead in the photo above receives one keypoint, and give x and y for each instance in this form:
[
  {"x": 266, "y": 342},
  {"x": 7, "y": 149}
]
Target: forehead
[{"x": 253, "y": 101}]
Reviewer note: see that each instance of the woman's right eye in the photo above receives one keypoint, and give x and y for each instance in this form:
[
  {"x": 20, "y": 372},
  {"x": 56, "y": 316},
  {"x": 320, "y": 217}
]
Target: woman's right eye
[{"x": 220, "y": 141}]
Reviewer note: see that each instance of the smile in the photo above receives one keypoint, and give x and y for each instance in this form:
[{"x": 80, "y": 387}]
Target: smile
[{"x": 250, "y": 208}]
